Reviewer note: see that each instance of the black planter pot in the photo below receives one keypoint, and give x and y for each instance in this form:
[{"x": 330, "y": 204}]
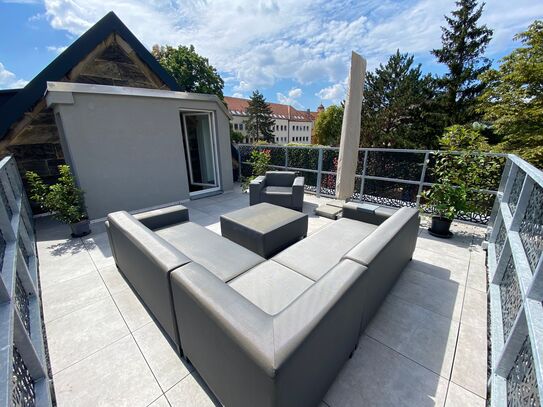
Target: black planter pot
[
  {"x": 441, "y": 227},
  {"x": 81, "y": 228}
]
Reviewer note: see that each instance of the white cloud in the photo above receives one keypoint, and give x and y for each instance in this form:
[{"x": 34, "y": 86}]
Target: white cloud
[
  {"x": 295, "y": 93},
  {"x": 292, "y": 98},
  {"x": 239, "y": 95},
  {"x": 334, "y": 93},
  {"x": 256, "y": 43},
  {"x": 8, "y": 80},
  {"x": 56, "y": 50}
]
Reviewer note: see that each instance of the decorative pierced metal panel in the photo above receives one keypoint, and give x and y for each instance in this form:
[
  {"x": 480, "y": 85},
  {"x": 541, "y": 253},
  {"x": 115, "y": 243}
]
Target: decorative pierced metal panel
[
  {"x": 511, "y": 297},
  {"x": 522, "y": 390},
  {"x": 5, "y": 202},
  {"x": 531, "y": 228},
  {"x": 22, "y": 303},
  {"x": 500, "y": 240},
  {"x": 26, "y": 255},
  {"x": 23, "y": 392},
  {"x": 515, "y": 190},
  {"x": 2, "y": 250}
]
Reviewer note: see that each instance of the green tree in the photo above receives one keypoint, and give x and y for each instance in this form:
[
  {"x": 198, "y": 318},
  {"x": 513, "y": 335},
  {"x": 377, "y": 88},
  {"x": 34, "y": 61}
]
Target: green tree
[
  {"x": 192, "y": 72},
  {"x": 399, "y": 106},
  {"x": 259, "y": 124},
  {"x": 328, "y": 126},
  {"x": 513, "y": 98},
  {"x": 463, "y": 45}
]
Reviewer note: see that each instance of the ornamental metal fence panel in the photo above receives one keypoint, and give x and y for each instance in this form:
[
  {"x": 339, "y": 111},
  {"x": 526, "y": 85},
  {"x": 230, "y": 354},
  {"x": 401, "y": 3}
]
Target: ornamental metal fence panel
[
  {"x": 392, "y": 177},
  {"x": 516, "y": 287},
  {"x": 24, "y": 374}
]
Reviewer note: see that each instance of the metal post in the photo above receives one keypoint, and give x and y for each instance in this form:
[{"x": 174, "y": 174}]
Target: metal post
[
  {"x": 422, "y": 176},
  {"x": 239, "y": 164},
  {"x": 286, "y": 158},
  {"x": 319, "y": 173},
  {"x": 363, "y": 180}
]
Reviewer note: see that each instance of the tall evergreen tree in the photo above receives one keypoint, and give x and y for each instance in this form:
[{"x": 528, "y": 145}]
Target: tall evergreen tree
[
  {"x": 463, "y": 45},
  {"x": 399, "y": 106},
  {"x": 513, "y": 98},
  {"x": 259, "y": 124}
]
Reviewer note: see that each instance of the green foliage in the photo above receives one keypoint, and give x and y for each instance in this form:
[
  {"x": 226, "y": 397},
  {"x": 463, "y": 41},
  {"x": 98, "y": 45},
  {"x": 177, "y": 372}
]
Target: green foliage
[
  {"x": 64, "y": 199},
  {"x": 460, "y": 177},
  {"x": 236, "y": 136},
  {"x": 513, "y": 99},
  {"x": 328, "y": 126},
  {"x": 260, "y": 162},
  {"x": 192, "y": 72},
  {"x": 399, "y": 107},
  {"x": 259, "y": 124},
  {"x": 463, "y": 46}
]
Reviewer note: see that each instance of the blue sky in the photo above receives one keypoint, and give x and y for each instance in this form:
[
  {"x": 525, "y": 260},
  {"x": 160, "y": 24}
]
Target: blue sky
[{"x": 294, "y": 51}]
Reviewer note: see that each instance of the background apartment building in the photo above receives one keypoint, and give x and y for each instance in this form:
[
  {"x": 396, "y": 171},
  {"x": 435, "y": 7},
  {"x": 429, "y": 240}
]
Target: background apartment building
[{"x": 291, "y": 125}]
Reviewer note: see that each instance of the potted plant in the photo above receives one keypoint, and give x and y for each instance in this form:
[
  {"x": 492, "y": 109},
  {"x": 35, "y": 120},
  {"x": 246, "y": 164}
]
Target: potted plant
[
  {"x": 446, "y": 200},
  {"x": 63, "y": 199}
]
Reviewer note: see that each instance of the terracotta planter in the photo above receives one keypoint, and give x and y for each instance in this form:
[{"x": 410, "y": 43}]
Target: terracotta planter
[
  {"x": 81, "y": 228},
  {"x": 441, "y": 227}
]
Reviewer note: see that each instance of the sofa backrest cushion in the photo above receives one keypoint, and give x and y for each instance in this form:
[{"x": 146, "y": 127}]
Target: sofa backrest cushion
[
  {"x": 280, "y": 178},
  {"x": 318, "y": 253},
  {"x": 159, "y": 218},
  {"x": 146, "y": 261},
  {"x": 403, "y": 227}
]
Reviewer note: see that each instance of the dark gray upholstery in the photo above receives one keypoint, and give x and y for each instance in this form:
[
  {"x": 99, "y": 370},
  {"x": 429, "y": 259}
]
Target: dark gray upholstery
[
  {"x": 262, "y": 333},
  {"x": 264, "y": 229},
  {"x": 250, "y": 358},
  {"x": 146, "y": 261},
  {"x": 367, "y": 212},
  {"x": 316, "y": 254},
  {"x": 222, "y": 257},
  {"x": 280, "y": 188},
  {"x": 162, "y": 217}
]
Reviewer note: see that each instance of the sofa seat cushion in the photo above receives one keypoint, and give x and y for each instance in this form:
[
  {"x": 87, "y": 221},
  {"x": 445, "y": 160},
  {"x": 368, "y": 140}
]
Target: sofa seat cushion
[
  {"x": 277, "y": 190},
  {"x": 271, "y": 286},
  {"x": 219, "y": 255},
  {"x": 318, "y": 253}
]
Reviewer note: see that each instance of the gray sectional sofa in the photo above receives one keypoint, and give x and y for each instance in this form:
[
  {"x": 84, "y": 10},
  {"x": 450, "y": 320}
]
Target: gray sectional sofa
[{"x": 262, "y": 332}]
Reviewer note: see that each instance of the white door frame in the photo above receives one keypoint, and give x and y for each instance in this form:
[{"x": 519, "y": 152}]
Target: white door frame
[{"x": 211, "y": 120}]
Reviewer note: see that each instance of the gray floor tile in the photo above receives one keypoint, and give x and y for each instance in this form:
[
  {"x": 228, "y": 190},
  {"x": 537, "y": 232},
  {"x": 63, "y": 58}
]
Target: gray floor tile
[
  {"x": 459, "y": 397},
  {"x": 162, "y": 401},
  {"x": 99, "y": 250},
  {"x": 477, "y": 276},
  {"x": 450, "y": 247},
  {"x": 132, "y": 310},
  {"x": 435, "y": 294},
  {"x": 470, "y": 362},
  {"x": 114, "y": 280},
  {"x": 440, "y": 265},
  {"x": 189, "y": 393},
  {"x": 421, "y": 335},
  {"x": 165, "y": 363},
  {"x": 68, "y": 296},
  {"x": 377, "y": 376},
  {"x": 115, "y": 376},
  {"x": 474, "y": 311},
  {"x": 60, "y": 261},
  {"x": 83, "y": 332}
]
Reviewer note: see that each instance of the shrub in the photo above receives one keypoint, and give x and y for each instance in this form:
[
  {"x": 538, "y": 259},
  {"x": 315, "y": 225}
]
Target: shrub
[{"x": 64, "y": 199}]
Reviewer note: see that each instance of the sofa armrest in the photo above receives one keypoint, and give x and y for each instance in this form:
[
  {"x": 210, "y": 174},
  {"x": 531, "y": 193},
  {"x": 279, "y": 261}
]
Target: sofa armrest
[
  {"x": 204, "y": 302},
  {"x": 159, "y": 218},
  {"x": 298, "y": 193},
  {"x": 255, "y": 188},
  {"x": 367, "y": 212}
]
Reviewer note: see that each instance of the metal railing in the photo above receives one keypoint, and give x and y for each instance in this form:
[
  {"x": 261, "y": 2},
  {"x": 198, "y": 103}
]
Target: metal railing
[
  {"x": 515, "y": 264},
  {"x": 24, "y": 377},
  {"x": 392, "y": 177}
]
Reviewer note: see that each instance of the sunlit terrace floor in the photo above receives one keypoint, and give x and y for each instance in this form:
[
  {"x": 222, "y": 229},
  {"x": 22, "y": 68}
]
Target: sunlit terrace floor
[{"x": 427, "y": 346}]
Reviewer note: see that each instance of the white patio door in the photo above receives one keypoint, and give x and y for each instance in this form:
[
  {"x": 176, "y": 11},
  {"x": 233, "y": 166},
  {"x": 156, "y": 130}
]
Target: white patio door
[{"x": 201, "y": 154}]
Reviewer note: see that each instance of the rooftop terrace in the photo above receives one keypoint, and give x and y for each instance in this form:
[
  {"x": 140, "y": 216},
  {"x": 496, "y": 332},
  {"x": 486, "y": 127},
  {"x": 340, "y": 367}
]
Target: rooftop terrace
[{"x": 426, "y": 347}]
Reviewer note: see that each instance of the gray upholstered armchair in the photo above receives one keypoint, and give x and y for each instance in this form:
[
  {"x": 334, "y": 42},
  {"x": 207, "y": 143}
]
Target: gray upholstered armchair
[{"x": 280, "y": 188}]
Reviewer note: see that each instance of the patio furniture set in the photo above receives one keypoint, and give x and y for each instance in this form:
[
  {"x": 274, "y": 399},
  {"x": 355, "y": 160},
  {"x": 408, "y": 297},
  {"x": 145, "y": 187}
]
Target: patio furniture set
[{"x": 266, "y": 315}]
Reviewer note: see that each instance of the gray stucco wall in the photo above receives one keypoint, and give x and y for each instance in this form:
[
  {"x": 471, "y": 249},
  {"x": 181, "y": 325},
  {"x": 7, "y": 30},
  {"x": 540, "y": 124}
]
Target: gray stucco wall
[{"x": 127, "y": 151}]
